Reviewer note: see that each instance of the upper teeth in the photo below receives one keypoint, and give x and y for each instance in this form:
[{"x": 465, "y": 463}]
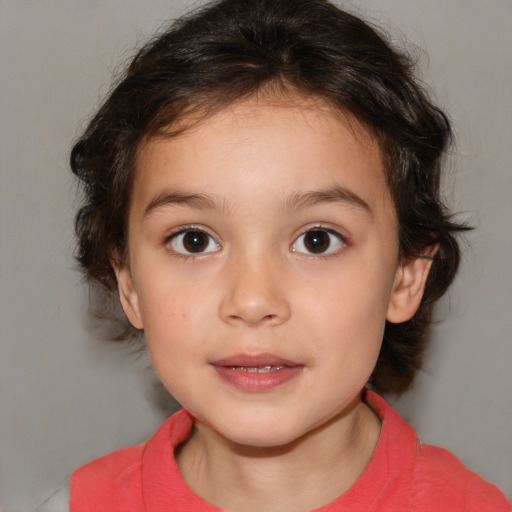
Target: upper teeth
[{"x": 258, "y": 369}]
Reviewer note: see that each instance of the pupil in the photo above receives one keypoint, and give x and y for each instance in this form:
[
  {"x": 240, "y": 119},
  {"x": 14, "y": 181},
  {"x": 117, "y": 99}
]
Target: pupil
[
  {"x": 195, "y": 241},
  {"x": 316, "y": 241}
]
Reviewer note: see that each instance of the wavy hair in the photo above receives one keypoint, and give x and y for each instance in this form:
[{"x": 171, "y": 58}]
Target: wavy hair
[{"x": 231, "y": 49}]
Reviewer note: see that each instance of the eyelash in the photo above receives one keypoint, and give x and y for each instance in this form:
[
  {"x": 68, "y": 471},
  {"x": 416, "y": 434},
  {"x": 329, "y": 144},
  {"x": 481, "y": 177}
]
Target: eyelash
[
  {"x": 174, "y": 240},
  {"x": 174, "y": 237},
  {"x": 340, "y": 239}
]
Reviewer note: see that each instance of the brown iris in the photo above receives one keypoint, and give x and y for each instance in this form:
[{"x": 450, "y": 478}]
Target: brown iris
[
  {"x": 317, "y": 241},
  {"x": 195, "y": 241}
]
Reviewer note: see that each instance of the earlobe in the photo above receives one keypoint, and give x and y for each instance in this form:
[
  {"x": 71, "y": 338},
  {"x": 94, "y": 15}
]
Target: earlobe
[
  {"x": 409, "y": 285},
  {"x": 127, "y": 293}
]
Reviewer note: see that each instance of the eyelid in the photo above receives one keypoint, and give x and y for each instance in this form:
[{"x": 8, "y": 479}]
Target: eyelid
[
  {"x": 180, "y": 230},
  {"x": 343, "y": 240}
]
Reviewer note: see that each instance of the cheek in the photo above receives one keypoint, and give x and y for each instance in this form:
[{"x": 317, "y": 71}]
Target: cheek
[
  {"x": 359, "y": 294},
  {"x": 171, "y": 320},
  {"x": 170, "y": 295},
  {"x": 174, "y": 332},
  {"x": 349, "y": 313}
]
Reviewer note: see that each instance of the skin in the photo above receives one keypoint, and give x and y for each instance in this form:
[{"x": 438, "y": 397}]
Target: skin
[{"x": 256, "y": 289}]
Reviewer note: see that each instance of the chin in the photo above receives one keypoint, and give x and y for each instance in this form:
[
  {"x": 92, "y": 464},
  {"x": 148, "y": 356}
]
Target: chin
[
  {"x": 261, "y": 432},
  {"x": 259, "y": 440}
]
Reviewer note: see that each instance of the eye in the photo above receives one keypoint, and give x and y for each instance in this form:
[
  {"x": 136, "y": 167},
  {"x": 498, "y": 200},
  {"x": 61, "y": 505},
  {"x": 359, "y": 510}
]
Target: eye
[
  {"x": 319, "y": 241},
  {"x": 193, "y": 241}
]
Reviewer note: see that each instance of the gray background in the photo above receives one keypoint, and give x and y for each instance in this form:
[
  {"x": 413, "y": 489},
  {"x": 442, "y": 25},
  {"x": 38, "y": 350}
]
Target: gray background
[{"x": 66, "y": 397}]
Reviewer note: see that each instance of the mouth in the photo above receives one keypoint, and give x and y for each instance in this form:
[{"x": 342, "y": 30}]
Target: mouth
[
  {"x": 259, "y": 373},
  {"x": 258, "y": 369}
]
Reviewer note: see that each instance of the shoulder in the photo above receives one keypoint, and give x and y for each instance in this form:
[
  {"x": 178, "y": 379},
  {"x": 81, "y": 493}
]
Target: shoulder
[
  {"x": 426, "y": 477},
  {"x": 93, "y": 486},
  {"x": 442, "y": 476},
  {"x": 114, "y": 482},
  {"x": 442, "y": 479},
  {"x": 109, "y": 466}
]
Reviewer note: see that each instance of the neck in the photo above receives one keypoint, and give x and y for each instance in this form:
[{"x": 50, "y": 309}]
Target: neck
[{"x": 303, "y": 475}]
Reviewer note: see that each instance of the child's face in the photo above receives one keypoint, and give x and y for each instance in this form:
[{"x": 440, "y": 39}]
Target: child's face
[{"x": 263, "y": 262}]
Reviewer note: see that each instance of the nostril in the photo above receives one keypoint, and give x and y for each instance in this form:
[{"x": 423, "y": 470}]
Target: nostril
[
  {"x": 253, "y": 299},
  {"x": 253, "y": 320}
]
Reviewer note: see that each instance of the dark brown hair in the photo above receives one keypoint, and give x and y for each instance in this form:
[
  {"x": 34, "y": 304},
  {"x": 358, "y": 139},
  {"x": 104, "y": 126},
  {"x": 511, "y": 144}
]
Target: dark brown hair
[{"x": 231, "y": 49}]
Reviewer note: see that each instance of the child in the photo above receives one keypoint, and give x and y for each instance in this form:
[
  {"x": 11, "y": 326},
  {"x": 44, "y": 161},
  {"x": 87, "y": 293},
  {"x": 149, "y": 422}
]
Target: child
[{"x": 262, "y": 191}]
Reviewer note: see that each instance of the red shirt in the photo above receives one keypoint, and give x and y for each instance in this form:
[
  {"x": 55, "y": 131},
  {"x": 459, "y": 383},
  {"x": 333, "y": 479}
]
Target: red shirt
[{"x": 403, "y": 475}]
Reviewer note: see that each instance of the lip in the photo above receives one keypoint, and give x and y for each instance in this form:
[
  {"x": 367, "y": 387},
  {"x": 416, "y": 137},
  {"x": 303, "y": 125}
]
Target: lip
[
  {"x": 238, "y": 371},
  {"x": 255, "y": 360}
]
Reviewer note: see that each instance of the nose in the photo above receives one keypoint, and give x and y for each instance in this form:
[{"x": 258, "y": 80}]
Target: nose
[{"x": 256, "y": 293}]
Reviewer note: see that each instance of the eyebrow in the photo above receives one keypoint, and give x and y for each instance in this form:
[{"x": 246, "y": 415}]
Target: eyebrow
[
  {"x": 337, "y": 194},
  {"x": 293, "y": 202},
  {"x": 171, "y": 198}
]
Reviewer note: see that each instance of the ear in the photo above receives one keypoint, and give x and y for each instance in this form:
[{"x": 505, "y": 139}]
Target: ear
[
  {"x": 127, "y": 292},
  {"x": 410, "y": 279}
]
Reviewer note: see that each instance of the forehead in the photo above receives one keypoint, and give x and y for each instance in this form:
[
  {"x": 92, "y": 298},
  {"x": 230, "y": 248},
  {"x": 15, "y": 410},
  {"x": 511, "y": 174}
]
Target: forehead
[{"x": 284, "y": 144}]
